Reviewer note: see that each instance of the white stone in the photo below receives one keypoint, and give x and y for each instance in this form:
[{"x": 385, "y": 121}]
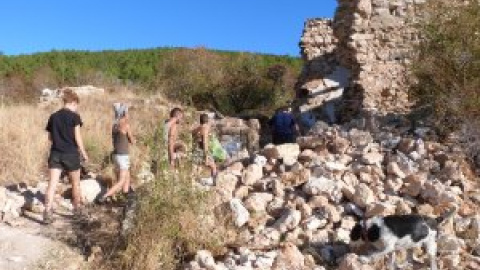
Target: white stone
[
  {"x": 289, "y": 258},
  {"x": 258, "y": 201},
  {"x": 363, "y": 195},
  {"x": 265, "y": 260},
  {"x": 91, "y": 189},
  {"x": 394, "y": 169},
  {"x": 288, "y": 221},
  {"x": 252, "y": 174},
  {"x": 314, "y": 223},
  {"x": 240, "y": 213},
  {"x": 373, "y": 158},
  {"x": 289, "y": 152},
  {"x": 205, "y": 259},
  {"x": 317, "y": 186}
]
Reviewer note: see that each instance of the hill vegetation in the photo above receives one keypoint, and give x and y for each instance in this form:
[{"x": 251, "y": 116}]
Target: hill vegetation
[
  {"x": 230, "y": 82},
  {"x": 447, "y": 68}
]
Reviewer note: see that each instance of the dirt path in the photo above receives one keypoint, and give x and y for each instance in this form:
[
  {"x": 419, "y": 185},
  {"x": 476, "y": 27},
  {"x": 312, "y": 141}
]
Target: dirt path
[{"x": 34, "y": 246}]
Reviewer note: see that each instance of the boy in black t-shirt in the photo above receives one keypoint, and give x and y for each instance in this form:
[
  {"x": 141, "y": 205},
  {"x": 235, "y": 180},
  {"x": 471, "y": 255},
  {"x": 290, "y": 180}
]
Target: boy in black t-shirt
[{"x": 67, "y": 146}]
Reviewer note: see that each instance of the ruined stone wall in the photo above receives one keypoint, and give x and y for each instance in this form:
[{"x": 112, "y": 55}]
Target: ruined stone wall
[{"x": 372, "y": 40}]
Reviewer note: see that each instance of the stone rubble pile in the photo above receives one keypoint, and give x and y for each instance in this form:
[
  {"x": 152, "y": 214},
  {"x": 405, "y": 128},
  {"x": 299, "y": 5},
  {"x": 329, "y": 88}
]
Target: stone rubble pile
[
  {"x": 365, "y": 50},
  {"x": 49, "y": 95},
  {"x": 293, "y": 205}
]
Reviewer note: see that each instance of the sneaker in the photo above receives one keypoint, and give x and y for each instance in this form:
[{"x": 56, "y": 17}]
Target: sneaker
[
  {"x": 80, "y": 214},
  {"x": 131, "y": 195},
  {"x": 102, "y": 200},
  {"x": 48, "y": 217}
]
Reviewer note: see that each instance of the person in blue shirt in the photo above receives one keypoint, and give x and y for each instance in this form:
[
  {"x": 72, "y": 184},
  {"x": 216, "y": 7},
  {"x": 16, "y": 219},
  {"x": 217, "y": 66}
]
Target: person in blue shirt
[{"x": 283, "y": 125}]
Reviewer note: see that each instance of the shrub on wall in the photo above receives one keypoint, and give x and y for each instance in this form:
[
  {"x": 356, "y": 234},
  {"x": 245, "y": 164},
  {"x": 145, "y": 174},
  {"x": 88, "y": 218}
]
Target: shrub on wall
[{"x": 447, "y": 67}]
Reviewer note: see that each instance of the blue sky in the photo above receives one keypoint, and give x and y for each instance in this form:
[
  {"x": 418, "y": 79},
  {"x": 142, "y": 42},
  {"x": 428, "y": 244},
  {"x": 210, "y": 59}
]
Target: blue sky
[{"x": 266, "y": 26}]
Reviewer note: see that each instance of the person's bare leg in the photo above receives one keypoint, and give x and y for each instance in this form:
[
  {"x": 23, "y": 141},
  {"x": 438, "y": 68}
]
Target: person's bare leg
[
  {"x": 52, "y": 186},
  {"x": 126, "y": 184},
  {"x": 119, "y": 185},
  {"x": 213, "y": 167},
  {"x": 76, "y": 192}
]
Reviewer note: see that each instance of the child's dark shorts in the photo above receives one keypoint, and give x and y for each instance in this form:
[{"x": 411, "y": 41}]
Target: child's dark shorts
[{"x": 65, "y": 161}]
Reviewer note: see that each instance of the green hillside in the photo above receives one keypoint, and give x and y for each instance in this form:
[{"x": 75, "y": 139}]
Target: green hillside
[{"x": 232, "y": 82}]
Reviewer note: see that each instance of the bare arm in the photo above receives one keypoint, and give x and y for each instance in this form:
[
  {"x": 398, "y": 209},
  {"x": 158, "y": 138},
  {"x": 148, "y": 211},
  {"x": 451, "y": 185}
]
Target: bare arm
[
  {"x": 130, "y": 137},
  {"x": 79, "y": 140},
  {"x": 172, "y": 138}
]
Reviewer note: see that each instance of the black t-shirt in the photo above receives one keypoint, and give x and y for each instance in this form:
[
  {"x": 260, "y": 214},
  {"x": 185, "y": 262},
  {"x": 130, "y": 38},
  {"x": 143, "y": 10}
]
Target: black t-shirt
[{"x": 61, "y": 126}]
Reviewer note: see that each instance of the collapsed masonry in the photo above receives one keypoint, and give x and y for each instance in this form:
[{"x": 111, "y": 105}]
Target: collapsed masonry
[{"x": 356, "y": 63}]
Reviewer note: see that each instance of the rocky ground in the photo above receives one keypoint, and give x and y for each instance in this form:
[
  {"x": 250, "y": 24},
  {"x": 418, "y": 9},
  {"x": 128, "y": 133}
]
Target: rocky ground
[
  {"x": 25, "y": 243},
  {"x": 293, "y": 205},
  {"x": 69, "y": 243}
]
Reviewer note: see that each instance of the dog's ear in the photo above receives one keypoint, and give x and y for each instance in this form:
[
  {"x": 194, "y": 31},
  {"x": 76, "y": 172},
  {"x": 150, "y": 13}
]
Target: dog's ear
[{"x": 356, "y": 232}]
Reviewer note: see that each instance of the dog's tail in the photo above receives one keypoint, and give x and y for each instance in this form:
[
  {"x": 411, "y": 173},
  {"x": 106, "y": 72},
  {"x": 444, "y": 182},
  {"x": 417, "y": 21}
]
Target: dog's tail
[{"x": 446, "y": 216}]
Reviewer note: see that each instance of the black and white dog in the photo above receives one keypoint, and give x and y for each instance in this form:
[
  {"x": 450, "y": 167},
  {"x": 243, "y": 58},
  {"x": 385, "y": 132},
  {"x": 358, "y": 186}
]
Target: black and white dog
[{"x": 399, "y": 232}]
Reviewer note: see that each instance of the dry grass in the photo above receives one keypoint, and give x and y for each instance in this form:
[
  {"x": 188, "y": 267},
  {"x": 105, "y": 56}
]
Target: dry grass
[
  {"x": 25, "y": 144},
  {"x": 174, "y": 220}
]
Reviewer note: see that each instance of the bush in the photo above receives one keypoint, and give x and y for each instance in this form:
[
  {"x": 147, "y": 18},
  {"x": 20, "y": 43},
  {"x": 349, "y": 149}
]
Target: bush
[
  {"x": 447, "y": 70},
  {"x": 199, "y": 77},
  {"x": 231, "y": 84},
  {"x": 174, "y": 219},
  {"x": 448, "y": 64}
]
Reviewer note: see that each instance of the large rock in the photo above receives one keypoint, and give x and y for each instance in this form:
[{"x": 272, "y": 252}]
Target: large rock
[
  {"x": 288, "y": 152},
  {"x": 406, "y": 145},
  {"x": 3, "y": 197},
  {"x": 352, "y": 262},
  {"x": 258, "y": 202},
  {"x": 252, "y": 174},
  {"x": 265, "y": 260},
  {"x": 289, "y": 220},
  {"x": 363, "y": 195},
  {"x": 319, "y": 186},
  {"x": 91, "y": 189},
  {"x": 372, "y": 158},
  {"x": 360, "y": 138},
  {"x": 294, "y": 179},
  {"x": 394, "y": 169},
  {"x": 307, "y": 155},
  {"x": 339, "y": 145},
  {"x": 413, "y": 184},
  {"x": 240, "y": 213},
  {"x": 365, "y": 8},
  {"x": 380, "y": 209},
  {"x": 289, "y": 258},
  {"x": 87, "y": 90},
  {"x": 270, "y": 152},
  {"x": 448, "y": 244},
  {"x": 225, "y": 184},
  {"x": 205, "y": 259},
  {"x": 314, "y": 223}
]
